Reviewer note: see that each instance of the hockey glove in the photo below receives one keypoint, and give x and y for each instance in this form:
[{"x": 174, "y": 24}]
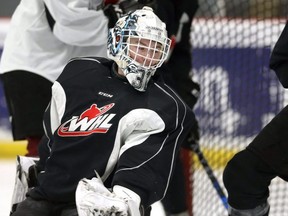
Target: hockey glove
[
  {"x": 190, "y": 91},
  {"x": 96, "y": 5},
  {"x": 94, "y": 199},
  {"x": 113, "y": 13},
  {"x": 116, "y": 10},
  {"x": 132, "y": 5}
]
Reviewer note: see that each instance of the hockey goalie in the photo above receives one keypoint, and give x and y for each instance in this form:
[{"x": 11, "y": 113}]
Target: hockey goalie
[{"x": 113, "y": 129}]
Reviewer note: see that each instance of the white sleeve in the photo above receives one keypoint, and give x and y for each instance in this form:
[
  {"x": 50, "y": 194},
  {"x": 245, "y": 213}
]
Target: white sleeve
[
  {"x": 76, "y": 25},
  {"x": 57, "y": 107},
  {"x": 139, "y": 125}
]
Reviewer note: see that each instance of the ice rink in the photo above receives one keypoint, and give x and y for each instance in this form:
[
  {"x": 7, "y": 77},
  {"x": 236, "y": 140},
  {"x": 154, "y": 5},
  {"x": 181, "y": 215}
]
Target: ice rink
[{"x": 7, "y": 169}]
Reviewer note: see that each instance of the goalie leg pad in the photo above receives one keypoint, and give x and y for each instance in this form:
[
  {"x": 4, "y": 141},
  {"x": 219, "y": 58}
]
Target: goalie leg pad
[
  {"x": 22, "y": 180},
  {"x": 30, "y": 207}
]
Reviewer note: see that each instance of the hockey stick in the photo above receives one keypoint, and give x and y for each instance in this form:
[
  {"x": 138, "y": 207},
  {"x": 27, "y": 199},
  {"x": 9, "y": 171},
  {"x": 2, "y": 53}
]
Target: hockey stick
[{"x": 209, "y": 172}]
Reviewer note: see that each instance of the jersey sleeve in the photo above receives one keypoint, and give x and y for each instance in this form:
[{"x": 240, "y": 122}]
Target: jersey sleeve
[
  {"x": 279, "y": 57},
  {"x": 57, "y": 107},
  {"x": 51, "y": 121},
  {"x": 147, "y": 158},
  {"x": 76, "y": 24}
]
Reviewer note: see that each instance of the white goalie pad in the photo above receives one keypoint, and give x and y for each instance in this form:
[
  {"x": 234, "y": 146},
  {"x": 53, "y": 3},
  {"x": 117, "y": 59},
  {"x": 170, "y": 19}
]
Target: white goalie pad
[
  {"x": 94, "y": 199},
  {"x": 21, "y": 180}
]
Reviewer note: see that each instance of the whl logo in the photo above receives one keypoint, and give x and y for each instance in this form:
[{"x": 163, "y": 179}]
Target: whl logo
[{"x": 92, "y": 120}]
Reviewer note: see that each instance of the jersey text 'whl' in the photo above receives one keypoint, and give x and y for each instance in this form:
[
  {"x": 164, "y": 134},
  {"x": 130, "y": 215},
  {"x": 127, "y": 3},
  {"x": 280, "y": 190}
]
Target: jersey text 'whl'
[{"x": 92, "y": 120}]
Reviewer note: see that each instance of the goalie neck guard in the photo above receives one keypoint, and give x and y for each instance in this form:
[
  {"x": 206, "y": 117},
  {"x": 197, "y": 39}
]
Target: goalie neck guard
[{"x": 139, "y": 45}]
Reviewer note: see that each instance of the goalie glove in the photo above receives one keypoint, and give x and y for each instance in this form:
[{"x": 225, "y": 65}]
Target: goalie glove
[
  {"x": 94, "y": 199},
  {"x": 96, "y": 5},
  {"x": 114, "y": 10}
]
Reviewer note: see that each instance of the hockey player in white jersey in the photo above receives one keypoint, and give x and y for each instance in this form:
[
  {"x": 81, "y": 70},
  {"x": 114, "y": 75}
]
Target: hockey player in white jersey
[
  {"x": 113, "y": 128},
  {"x": 43, "y": 35}
]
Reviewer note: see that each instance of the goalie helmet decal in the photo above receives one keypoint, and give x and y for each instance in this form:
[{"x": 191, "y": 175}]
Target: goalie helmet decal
[
  {"x": 115, "y": 37},
  {"x": 139, "y": 45}
]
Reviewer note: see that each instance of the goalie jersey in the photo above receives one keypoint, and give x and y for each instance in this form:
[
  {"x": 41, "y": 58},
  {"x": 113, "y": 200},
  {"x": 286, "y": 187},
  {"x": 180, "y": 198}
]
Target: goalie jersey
[{"x": 97, "y": 122}]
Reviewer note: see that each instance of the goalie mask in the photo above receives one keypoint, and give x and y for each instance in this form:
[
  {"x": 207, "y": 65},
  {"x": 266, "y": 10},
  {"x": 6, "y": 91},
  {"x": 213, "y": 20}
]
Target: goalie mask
[{"x": 139, "y": 45}]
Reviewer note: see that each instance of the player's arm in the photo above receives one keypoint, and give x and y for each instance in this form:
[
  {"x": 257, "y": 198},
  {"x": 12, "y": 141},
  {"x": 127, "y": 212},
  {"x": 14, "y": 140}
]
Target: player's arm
[
  {"x": 134, "y": 129},
  {"x": 52, "y": 119},
  {"x": 278, "y": 60},
  {"x": 147, "y": 158},
  {"x": 144, "y": 167},
  {"x": 77, "y": 22}
]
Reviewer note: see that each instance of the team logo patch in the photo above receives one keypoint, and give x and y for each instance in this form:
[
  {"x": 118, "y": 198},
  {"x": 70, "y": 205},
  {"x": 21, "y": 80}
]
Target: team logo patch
[{"x": 92, "y": 120}]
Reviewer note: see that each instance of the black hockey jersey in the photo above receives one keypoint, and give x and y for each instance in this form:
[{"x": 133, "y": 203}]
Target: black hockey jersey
[
  {"x": 279, "y": 57},
  {"x": 97, "y": 121}
]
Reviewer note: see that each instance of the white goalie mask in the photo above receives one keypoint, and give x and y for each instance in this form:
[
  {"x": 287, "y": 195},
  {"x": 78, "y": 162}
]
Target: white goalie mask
[{"x": 139, "y": 45}]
